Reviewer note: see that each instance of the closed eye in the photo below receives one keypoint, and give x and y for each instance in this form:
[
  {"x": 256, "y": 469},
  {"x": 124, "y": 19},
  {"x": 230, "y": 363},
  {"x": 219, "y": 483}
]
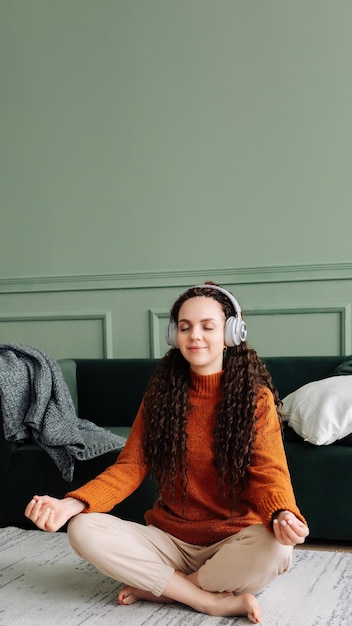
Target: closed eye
[{"x": 183, "y": 329}]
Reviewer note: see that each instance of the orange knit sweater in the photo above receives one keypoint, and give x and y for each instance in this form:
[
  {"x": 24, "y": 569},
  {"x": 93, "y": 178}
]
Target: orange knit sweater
[{"x": 207, "y": 517}]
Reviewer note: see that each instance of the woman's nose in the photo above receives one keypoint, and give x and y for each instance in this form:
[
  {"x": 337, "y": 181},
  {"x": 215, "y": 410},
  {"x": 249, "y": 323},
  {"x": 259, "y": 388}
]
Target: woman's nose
[{"x": 196, "y": 332}]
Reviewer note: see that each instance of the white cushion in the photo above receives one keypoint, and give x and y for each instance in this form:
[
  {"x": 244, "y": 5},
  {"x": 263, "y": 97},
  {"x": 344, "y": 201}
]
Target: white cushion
[{"x": 321, "y": 411}]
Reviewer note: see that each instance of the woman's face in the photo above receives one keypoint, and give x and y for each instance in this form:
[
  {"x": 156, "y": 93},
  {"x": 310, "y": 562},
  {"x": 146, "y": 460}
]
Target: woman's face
[{"x": 200, "y": 334}]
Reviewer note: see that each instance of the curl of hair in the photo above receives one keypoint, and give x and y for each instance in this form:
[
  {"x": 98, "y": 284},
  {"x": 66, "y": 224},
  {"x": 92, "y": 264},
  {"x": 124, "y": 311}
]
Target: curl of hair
[
  {"x": 165, "y": 418},
  {"x": 244, "y": 374},
  {"x": 166, "y": 405}
]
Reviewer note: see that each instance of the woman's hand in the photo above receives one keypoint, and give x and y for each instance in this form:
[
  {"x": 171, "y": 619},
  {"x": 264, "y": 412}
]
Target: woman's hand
[
  {"x": 288, "y": 529},
  {"x": 50, "y": 514}
]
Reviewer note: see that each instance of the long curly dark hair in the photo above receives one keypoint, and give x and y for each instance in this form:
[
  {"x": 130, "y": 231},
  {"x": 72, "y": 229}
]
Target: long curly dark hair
[{"x": 166, "y": 404}]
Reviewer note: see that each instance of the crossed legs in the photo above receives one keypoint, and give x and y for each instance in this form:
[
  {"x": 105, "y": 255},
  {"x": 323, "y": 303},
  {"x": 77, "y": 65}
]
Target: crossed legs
[
  {"x": 185, "y": 589},
  {"x": 155, "y": 566}
]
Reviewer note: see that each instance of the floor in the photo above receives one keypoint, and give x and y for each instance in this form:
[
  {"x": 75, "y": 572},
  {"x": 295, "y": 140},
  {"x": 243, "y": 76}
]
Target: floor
[{"x": 326, "y": 545}]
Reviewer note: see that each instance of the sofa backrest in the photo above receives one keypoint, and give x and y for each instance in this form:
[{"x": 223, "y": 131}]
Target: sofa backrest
[
  {"x": 291, "y": 372},
  {"x": 69, "y": 372},
  {"x": 109, "y": 391}
]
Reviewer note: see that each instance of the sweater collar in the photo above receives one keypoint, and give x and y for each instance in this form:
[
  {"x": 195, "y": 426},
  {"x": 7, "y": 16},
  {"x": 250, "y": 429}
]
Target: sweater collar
[{"x": 206, "y": 385}]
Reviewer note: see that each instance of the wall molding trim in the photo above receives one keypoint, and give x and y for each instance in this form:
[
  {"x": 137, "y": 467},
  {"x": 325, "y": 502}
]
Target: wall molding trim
[
  {"x": 146, "y": 280},
  {"x": 103, "y": 316},
  {"x": 343, "y": 311},
  {"x": 157, "y": 318}
]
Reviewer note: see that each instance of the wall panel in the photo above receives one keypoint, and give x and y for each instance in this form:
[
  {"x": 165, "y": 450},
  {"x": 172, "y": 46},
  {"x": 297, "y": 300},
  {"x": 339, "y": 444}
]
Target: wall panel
[
  {"x": 60, "y": 334},
  {"x": 289, "y": 311}
]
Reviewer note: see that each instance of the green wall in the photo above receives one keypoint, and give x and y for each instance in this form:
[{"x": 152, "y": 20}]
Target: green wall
[
  {"x": 147, "y": 135},
  {"x": 147, "y": 145}
]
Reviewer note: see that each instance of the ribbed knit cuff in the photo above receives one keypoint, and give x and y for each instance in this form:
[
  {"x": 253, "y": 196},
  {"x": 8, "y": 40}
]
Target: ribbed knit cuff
[{"x": 275, "y": 503}]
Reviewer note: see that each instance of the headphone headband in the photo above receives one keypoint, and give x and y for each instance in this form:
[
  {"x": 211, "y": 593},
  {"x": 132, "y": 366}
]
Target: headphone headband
[
  {"x": 235, "y": 327},
  {"x": 226, "y": 293}
]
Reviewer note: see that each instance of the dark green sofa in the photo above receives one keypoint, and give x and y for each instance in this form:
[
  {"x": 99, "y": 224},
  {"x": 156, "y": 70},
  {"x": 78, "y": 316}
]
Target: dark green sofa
[{"x": 108, "y": 392}]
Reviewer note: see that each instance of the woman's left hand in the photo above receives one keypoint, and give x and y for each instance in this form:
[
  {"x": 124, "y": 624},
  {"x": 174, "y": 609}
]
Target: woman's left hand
[{"x": 289, "y": 530}]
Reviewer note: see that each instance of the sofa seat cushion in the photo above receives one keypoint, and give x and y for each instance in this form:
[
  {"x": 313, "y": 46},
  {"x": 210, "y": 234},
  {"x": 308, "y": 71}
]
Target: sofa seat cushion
[
  {"x": 122, "y": 431},
  {"x": 320, "y": 494},
  {"x": 321, "y": 411}
]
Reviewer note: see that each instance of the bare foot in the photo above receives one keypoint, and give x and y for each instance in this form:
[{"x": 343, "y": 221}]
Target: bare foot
[
  {"x": 180, "y": 589},
  {"x": 130, "y": 595},
  {"x": 228, "y": 604}
]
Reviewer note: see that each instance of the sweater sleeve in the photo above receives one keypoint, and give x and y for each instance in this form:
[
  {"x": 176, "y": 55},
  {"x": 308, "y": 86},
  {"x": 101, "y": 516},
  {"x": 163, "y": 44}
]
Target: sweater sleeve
[
  {"x": 119, "y": 480},
  {"x": 269, "y": 478}
]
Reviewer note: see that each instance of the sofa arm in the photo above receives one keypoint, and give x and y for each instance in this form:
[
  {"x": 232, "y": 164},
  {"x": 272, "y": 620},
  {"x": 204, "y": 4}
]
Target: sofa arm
[{"x": 69, "y": 371}]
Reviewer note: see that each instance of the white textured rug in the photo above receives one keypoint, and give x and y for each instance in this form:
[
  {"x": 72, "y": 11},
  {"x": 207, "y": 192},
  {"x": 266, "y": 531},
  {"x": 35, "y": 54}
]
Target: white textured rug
[{"x": 43, "y": 582}]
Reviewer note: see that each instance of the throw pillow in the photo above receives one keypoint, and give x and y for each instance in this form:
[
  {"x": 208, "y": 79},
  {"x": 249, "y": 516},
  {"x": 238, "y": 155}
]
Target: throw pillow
[{"x": 321, "y": 411}]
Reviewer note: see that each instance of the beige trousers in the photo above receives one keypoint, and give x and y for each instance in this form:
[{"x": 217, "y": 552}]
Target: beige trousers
[{"x": 146, "y": 557}]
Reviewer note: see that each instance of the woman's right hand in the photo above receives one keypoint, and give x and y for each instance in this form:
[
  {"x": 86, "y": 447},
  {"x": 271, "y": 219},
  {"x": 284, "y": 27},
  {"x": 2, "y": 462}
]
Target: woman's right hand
[{"x": 50, "y": 514}]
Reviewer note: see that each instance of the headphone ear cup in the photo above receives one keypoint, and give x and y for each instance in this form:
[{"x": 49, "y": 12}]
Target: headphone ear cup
[
  {"x": 235, "y": 331},
  {"x": 235, "y": 327},
  {"x": 230, "y": 332},
  {"x": 171, "y": 335},
  {"x": 242, "y": 330}
]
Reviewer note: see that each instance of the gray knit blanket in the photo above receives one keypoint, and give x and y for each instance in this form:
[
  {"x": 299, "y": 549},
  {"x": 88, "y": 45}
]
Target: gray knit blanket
[{"x": 36, "y": 405}]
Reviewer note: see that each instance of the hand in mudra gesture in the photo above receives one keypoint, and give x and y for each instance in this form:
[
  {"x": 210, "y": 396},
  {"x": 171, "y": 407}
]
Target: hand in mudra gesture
[
  {"x": 50, "y": 514},
  {"x": 289, "y": 530}
]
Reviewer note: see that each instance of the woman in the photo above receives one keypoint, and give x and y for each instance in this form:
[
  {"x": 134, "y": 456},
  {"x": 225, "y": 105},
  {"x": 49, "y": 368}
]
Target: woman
[{"x": 226, "y": 520}]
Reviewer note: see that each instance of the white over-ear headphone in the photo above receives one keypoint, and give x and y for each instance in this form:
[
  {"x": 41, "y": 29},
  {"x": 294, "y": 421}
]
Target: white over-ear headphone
[{"x": 235, "y": 327}]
